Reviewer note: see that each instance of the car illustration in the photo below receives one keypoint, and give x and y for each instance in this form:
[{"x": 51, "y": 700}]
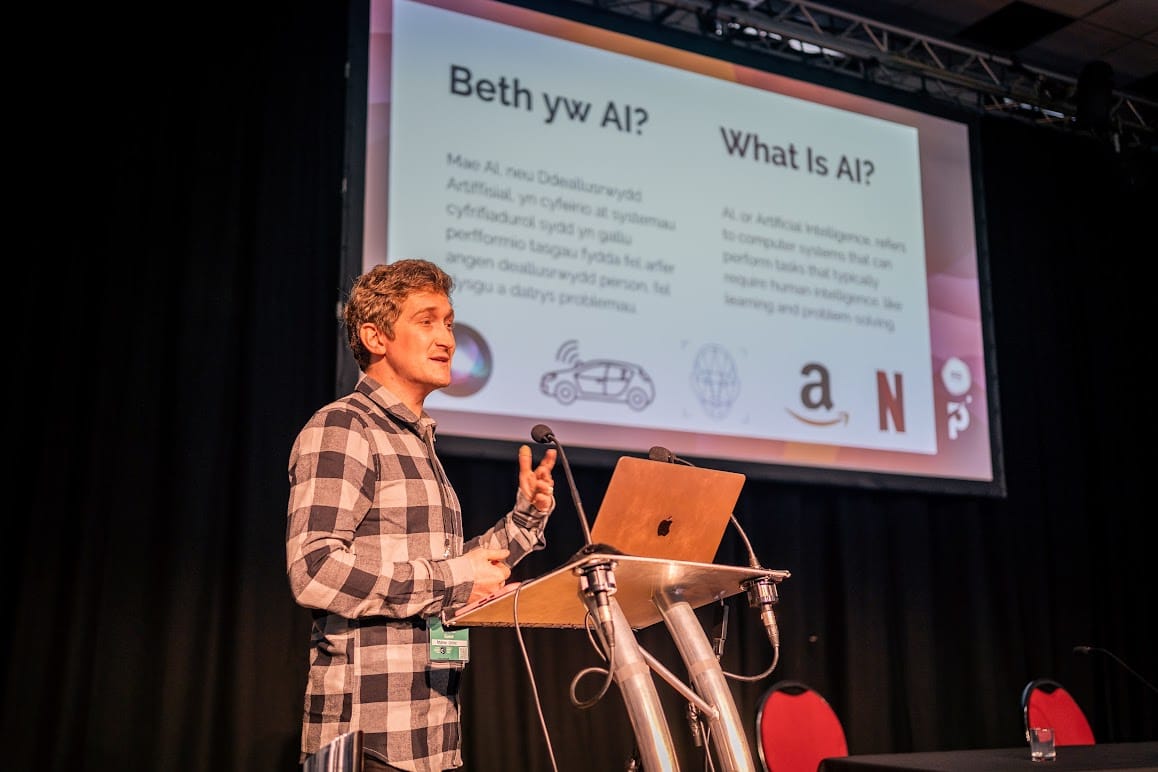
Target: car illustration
[{"x": 600, "y": 379}]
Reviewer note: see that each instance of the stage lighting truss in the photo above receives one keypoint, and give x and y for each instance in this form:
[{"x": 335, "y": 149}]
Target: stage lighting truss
[{"x": 883, "y": 54}]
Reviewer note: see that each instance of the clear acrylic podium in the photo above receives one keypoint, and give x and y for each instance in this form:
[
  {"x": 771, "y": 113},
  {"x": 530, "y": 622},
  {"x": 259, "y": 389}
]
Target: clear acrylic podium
[{"x": 643, "y": 591}]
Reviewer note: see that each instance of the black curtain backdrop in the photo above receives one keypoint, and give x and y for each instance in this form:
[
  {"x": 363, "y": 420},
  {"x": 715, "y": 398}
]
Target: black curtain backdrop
[{"x": 178, "y": 290}]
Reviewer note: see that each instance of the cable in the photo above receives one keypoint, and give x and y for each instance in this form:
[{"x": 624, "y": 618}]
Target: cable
[
  {"x": 753, "y": 561},
  {"x": 760, "y": 676},
  {"x": 762, "y": 594},
  {"x": 531, "y": 674},
  {"x": 609, "y": 659}
]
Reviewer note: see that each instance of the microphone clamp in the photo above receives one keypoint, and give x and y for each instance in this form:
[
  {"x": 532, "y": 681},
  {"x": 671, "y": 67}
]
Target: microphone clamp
[
  {"x": 762, "y": 592},
  {"x": 596, "y": 585}
]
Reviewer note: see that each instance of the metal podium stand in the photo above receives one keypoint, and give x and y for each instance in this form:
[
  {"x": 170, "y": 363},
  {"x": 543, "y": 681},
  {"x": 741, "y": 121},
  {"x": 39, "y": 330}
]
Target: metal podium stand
[{"x": 643, "y": 592}]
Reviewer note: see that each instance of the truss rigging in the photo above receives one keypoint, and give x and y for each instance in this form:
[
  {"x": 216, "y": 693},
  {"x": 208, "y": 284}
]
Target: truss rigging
[{"x": 843, "y": 42}]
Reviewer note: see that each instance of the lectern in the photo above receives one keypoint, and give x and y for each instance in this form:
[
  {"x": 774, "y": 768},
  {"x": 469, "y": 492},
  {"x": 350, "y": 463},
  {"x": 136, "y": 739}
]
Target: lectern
[{"x": 630, "y": 593}]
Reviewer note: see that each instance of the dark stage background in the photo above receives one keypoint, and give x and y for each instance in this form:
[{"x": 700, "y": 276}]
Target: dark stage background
[{"x": 176, "y": 303}]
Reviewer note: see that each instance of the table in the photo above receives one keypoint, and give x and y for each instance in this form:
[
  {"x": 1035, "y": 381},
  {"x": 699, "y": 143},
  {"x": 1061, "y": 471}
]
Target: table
[{"x": 1134, "y": 756}]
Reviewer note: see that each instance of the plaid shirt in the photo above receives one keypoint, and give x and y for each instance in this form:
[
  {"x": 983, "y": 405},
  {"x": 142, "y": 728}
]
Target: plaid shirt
[{"x": 374, "y": 545}]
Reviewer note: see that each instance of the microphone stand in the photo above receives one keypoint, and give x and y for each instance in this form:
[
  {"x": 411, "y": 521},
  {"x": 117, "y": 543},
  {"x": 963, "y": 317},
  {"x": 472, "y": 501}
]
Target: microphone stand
[
  {"x": 543, "y": 434},
  {"x": 596, "y": 581},
  {"x": 1112, "y": 721},
  {"x": 1116, "y": 658}
]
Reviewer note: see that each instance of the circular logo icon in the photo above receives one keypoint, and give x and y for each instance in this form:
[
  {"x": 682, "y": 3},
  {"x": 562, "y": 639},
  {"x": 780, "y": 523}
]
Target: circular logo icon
[
  {"x": 956, "y": 376},
  {"x": 473, "y": 362}
]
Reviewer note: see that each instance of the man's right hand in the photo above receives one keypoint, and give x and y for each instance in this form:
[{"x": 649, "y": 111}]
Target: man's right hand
[{"x": 490, "y": 572}]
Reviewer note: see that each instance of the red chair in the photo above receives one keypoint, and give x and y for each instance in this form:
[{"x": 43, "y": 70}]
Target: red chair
[
  {"x": 1045, "y": 702},
  {"x": 797, "y": 728}
]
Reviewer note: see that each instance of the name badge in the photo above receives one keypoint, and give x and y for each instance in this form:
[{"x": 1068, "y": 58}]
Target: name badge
[{"x": 448, "y": 645}]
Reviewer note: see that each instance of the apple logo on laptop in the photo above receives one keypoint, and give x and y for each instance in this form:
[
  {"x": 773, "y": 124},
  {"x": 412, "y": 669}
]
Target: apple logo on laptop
[{"x": 664, "y": 527}]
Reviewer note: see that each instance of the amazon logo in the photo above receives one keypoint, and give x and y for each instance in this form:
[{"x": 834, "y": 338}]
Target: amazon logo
[{"x": 840, "y": 418}]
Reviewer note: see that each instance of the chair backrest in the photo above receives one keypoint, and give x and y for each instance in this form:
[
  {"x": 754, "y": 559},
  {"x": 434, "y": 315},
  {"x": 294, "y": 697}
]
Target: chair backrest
[
  {"x": 342, "y": 754},
  {"x": 1045, "y": 702},
  {"x": 796, "y": 728}
]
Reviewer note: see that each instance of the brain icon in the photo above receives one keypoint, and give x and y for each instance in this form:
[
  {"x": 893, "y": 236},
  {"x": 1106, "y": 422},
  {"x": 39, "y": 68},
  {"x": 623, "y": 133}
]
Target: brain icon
[{"x": 715, "y": 381}]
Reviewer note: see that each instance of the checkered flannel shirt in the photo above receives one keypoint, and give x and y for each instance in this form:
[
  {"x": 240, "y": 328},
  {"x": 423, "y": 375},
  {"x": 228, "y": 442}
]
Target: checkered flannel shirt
[{"x": 374, "y": 546}]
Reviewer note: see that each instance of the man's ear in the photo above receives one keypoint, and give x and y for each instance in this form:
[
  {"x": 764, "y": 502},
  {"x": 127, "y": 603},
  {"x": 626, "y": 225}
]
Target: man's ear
[{"x": 372, "y": 338}]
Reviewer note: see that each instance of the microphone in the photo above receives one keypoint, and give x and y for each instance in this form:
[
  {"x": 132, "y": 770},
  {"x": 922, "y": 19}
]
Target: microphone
[
  {"x": 1111, "y": 655},
  {"x": 660, "y": 453},
  {"x": 542, "y": 433},
  {"x": 762, "y": 594},
  {"x": 597, "y": 585}
]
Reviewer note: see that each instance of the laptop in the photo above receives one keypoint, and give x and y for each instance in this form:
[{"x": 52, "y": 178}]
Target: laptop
[{"x": 655, "y": 509}]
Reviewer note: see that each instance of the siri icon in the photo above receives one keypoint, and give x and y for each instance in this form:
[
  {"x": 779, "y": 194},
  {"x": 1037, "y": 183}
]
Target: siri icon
[{"x": 473, "y": 363}]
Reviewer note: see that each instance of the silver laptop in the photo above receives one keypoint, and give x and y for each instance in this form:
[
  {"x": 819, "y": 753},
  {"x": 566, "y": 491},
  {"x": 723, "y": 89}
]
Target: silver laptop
[{"x": 654, "y": 509}]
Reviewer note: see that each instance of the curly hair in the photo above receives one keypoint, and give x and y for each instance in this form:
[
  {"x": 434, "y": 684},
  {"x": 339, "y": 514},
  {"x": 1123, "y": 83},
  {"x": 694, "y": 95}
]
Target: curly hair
[{"x": 377, "y": 297}]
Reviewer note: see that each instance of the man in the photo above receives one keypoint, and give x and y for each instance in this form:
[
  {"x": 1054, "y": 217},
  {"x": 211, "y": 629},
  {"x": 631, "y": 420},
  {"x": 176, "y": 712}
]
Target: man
[{"x": 374, "y": 541}]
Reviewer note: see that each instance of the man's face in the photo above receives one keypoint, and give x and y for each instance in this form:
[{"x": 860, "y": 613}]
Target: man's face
[{"x": 420, "y": 354}]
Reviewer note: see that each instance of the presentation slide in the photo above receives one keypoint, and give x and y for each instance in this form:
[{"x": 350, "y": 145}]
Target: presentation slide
[{"x": 653, "y": 247}]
